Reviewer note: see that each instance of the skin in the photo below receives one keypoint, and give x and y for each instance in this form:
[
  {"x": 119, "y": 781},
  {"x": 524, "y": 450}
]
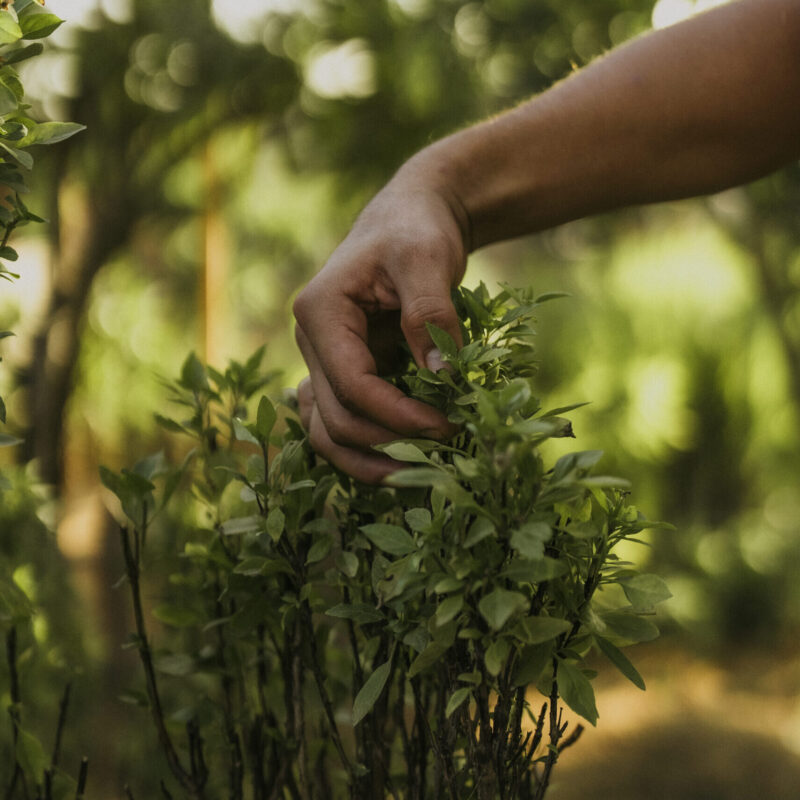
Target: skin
[{"x": 688, "y": 110}]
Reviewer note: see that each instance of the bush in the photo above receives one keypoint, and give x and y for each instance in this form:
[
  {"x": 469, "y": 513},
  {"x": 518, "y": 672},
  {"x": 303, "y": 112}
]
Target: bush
[{"x": 337, "y": 640}]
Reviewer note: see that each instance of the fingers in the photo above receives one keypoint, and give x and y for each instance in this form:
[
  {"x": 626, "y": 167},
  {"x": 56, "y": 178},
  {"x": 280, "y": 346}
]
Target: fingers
[
  {"x": 356, "y": 406},
  {"x": 432, "y": 306},
  {"x": 343, "y": 426},
  {"x": 367, "y": 467}
]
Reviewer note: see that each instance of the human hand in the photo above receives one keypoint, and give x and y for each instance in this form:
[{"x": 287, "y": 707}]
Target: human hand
[{"x": 392, "y": 274}]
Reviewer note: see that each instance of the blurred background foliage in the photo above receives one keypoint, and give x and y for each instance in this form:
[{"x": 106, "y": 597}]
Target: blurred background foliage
[{"x": 230, "y": 144}]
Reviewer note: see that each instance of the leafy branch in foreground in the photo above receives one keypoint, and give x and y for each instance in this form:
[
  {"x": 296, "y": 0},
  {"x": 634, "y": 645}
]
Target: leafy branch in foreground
[
  {"x": 21, "y": 23},
  {"x": 337, "y": 640}
]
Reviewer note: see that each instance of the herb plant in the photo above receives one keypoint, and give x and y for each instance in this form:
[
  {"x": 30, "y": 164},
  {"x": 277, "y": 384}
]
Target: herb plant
[
  {"x": 31, "y": 772},
  {"x": 418, "y": 640}
]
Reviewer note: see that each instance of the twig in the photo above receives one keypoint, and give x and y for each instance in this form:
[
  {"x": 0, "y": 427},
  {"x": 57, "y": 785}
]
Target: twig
[
  {"x": 132, "y": 570},
  {"x": 62, "y": 718},
  {"x": 13, "y": 710},
  {"x": 319, "y": 678},
  {"x": 83, "y": 774}
]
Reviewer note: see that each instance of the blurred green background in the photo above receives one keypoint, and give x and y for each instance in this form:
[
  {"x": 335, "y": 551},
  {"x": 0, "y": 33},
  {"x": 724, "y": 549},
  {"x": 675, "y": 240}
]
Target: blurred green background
[{"x": 230, "y": 144}]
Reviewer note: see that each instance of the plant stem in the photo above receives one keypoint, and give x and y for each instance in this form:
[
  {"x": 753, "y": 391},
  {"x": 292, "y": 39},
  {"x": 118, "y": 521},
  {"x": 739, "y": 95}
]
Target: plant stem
[{"x": 132, "y": 570}]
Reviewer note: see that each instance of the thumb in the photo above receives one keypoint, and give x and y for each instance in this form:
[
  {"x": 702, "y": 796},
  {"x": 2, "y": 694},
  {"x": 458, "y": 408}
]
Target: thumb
[{"x": 433, "y": 308}]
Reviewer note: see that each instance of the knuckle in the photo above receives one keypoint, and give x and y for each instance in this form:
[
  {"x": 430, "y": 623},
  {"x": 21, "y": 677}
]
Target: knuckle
[
  {"x": 303, "y": 303},
  {"x": 426, "y": 308}
]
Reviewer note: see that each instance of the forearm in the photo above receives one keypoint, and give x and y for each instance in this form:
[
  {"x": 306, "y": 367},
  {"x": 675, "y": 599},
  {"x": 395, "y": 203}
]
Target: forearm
[{"x": 688, "y": 110}]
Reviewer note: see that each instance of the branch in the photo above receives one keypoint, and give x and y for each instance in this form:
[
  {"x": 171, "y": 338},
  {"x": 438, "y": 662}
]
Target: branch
[{"x": 157, "y": 713}]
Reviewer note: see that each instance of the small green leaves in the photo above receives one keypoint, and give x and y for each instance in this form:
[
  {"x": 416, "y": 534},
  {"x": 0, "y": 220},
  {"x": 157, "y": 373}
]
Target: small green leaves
[
  {"x": 495, "y": 657},
  {"x": 577, "y": 691},
  {"x": 38, "y": 26},
  {"x": 620, "y": 661},
  {"x": 10, "y": 30},
  {"x": 448, "y": 609},
  {"x": 535, "y": 630},
  {"x": 530, "y": 539},
  {"x": 242, "y": 525},
  {"x": 456, "y": 700},
  {"x": 404, "y": 451},
  {"x": 645, "y": 591},
  {"x": 497, "y": 606},
  {"x": 50, "y": 133},
  {"x": 629, "y": 627},
  {"x": 443, "y": 341},
  {"x": 370, "y": 692},
  {"x": 265, "y": 419},
  {"x": 391, "y": 539},
  {"x": 276, "y": 520}
]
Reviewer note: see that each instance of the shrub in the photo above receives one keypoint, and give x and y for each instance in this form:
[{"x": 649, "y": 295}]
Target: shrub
[{"x": 338, "y": 640}]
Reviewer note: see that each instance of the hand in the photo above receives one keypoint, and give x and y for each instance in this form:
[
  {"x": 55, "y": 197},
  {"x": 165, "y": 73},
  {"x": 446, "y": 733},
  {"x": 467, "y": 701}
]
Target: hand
[{"x": 392, "y": 274}]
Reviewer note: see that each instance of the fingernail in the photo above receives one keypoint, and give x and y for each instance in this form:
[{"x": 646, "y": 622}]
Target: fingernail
[{"x": 434, "y": 360}]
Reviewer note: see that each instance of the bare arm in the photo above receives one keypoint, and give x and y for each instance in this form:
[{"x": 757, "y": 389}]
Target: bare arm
[{"x": 688, "y": 110}]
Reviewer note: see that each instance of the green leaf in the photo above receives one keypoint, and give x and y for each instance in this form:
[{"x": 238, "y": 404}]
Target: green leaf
[
  {"x": 15, "y": 607},
  {"x": 478, "y": 531},
  {"x": 448, "y": 609},
  {"x": 169, "y": 424},
  {"x": 629, "y": 627},
  {"x": 418, "y": 519},
  {"x": 8, "y": 101},
  {"x": 576, "y": 691},
  {"x": 428, "y": 657},
  {"x": 390, "y": 538},
  {"x": 31, "y": 756},
  {"x": 620, "y": 661},
  {"x": 276, "y": 520},
  {"x": 348, "y": 563},
  {"x": 242, "y": 525},
  {"x": 370, "y": 692},
  {"x": 10, "y": 30},
  {"x": 497, "y": 606},
  {"x": 152, "y": 467},
  {"x": 23, "y": 53},
  {"x": 362, "y": 613},
  {"x": 531, "y": 663},
  {"x": 404, "y": 451},
  {"x": 265, "y": 418},
  {"x": 243, "y": 433},
  {"x": 50, "y": 133},
  {"x": 529, "y": 540},
  {"x": 193, "y": 374},
  {"x": 38, "y": 26},
  {"x": 456, "y": 700},
  {"x": 535, "y": 630},
  {"x": 645, "y": 591},
  {"x": 20, "y": 156},
  {"x": 443, "y": 341},
  {"x": 319, "y": 549},
  {"x": 6, "y": 440},
  {"x": 496, "y": 655}
]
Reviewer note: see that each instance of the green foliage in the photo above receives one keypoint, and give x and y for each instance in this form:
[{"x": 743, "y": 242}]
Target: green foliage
[
  {"x": 312, "y": 618},
  {"x": 20, "y": 22}
]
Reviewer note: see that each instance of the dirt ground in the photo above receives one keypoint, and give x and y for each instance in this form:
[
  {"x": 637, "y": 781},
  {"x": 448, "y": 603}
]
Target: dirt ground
[{"x": 701, "y": 731}]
